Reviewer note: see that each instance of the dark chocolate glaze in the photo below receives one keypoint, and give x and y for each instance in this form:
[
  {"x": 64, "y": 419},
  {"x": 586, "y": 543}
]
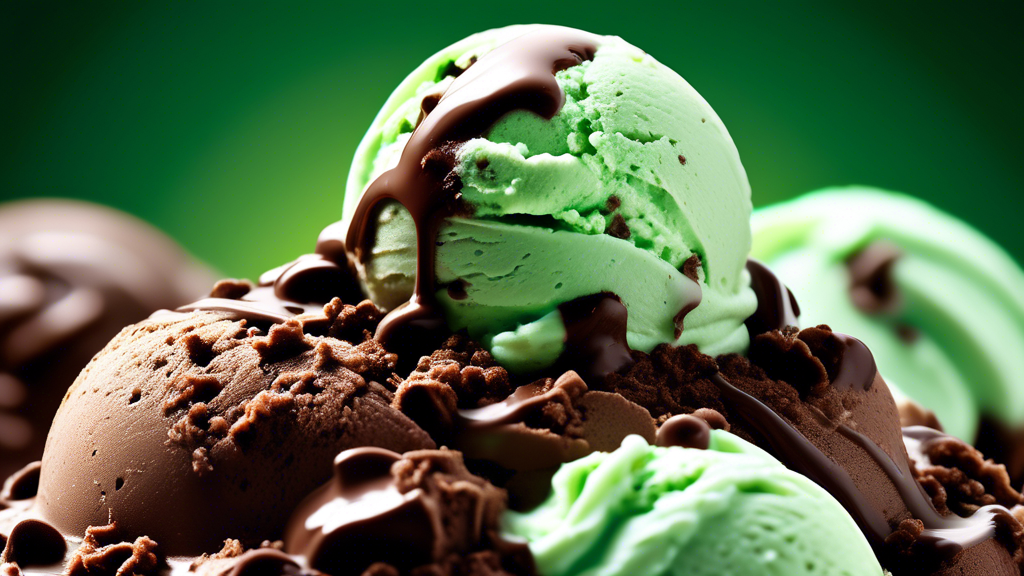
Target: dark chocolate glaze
[
  {"x": 510, "y": 441},
  {"x": 595, "y": 336},
  {"x": 420, "y": 513},
  {"x": 495, "y": 433},
  {"x": 776, "y": 306},
  {"x": 800, "y": 455},
  {"x": 361, "y": 517},
  {"x": 857, "y": 367},
  {"x": 945, "y": 536},
  {"x": 519, "y": 75}
]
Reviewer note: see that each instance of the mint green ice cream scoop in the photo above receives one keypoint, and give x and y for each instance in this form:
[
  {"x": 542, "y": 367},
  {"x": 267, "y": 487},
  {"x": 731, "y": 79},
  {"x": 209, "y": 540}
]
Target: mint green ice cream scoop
[
  {"x": 730, "y": 510},
  {"x": 634, "y": 175},
  {"x": 940, "y": 305}
]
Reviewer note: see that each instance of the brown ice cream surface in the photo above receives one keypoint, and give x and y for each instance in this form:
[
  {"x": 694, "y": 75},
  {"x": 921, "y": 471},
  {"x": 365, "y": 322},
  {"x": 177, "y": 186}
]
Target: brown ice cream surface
[
  {"x": 194, "y": 428},
  {"x": 193, "y": 368},
  {"x": 72, "y": 274}
]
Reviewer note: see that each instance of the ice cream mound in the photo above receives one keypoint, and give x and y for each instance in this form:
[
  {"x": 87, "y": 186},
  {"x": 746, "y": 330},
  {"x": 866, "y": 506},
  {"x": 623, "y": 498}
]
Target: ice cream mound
[
  {"x": 642, "y": 367},
  {"x": 72, "y": 274}
]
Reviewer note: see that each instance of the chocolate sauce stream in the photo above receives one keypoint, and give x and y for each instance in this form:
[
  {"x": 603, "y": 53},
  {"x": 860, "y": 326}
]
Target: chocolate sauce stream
[
  {"x": 776, "y": 306},
  {"x": 518, "y": 75},
  {"x": 800, "y": 455},
  {"x": 857, "y": 366},
  {"x": 947, "y": 536},
  {"x": 595, "y": 336}
]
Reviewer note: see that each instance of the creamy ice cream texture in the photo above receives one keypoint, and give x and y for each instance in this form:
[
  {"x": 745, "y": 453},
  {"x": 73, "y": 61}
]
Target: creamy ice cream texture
[
  {"x": 631, "y": 177},
  {"x": 728, "y": 509},
  {"x": 938, "y": 303}
]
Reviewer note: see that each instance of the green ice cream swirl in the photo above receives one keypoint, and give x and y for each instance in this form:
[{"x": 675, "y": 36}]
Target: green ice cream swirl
[
  {"x": 730, "y": 510},
  {"x": 960, "y": 297},
  {"x": 634, "y": 175}
]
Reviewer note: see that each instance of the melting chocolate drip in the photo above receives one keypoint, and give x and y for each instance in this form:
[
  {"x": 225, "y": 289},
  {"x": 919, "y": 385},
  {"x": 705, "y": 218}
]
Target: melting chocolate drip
[
  {"x": 595, "y": 340},
  {"x": 693, "y": 295},
  {"x": 856, "y": 368},
  {"x": 872, "y": 288},
  {"x": 800, "y": 455},
  {"x": 361, "y": 517},
  {"x": 419, "y": 513},
  {"x": 496, "y": 433},
  {"x": 776, "y": 306},
  {"x": 947, "y": 537},
  {"x": 519, "y": 75}
]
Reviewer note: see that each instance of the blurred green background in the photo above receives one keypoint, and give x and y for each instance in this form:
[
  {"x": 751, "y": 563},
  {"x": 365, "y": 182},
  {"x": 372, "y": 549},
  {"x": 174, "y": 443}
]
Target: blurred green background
[{"x": 231, "y": 125}]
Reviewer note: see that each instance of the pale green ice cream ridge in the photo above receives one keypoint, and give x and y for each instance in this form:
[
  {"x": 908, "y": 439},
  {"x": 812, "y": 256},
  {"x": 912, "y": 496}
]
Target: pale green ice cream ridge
[
  {"x": 730, "y": 510},
  {"x": 961, "y": 293},
  {"x": 633, "y": 145}
]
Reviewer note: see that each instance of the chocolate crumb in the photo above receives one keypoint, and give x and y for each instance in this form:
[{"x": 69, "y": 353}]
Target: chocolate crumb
[
  {"x": 612, "y": 204},
  {"x": 618, "y": 228}
]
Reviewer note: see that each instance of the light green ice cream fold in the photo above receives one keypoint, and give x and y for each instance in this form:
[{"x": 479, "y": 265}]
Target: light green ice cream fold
[
  {"x": 633, "y": 145},
  {"x": 961, "y": 293},
  {"x": 730, "y": 510}
]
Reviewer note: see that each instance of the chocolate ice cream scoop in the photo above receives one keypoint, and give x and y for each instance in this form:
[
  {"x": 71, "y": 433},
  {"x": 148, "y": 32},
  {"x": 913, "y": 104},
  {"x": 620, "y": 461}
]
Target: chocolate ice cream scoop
[
  {"x": 191, "y": 428},
  {"x": 71, "y": 275}
]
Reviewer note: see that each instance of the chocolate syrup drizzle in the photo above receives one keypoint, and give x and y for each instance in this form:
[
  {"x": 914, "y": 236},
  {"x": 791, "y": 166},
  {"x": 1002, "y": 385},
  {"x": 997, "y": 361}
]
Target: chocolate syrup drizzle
[
  {"x": 776, "y": 306},
  {"x": 946, "y": 536},
  {"x": 519, "y": 75}
]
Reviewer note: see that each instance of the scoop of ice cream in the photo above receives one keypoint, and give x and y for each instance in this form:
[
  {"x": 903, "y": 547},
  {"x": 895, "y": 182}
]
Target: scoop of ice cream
[
  {"x": 628, "y": 177},
  {"x": 72, "y": 274},
  {"x": 814, "y": 400},
  {"x": 192, "y": 428},
  {"x": 940, "y": 305},
  {"x": 729, "y": 509}
]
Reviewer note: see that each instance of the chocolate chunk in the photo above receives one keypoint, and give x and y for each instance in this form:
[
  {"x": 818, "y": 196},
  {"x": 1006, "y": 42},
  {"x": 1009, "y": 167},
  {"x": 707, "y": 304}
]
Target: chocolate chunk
[
  {"x": 388, "y": 513},
  {"x": 685, "y": 431},
  {"x": 872, "y": 288},
  {"x": 618, "y": 228},
  {"x": 34, "y": 543},
  {"x": 22, "y": 485}
]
